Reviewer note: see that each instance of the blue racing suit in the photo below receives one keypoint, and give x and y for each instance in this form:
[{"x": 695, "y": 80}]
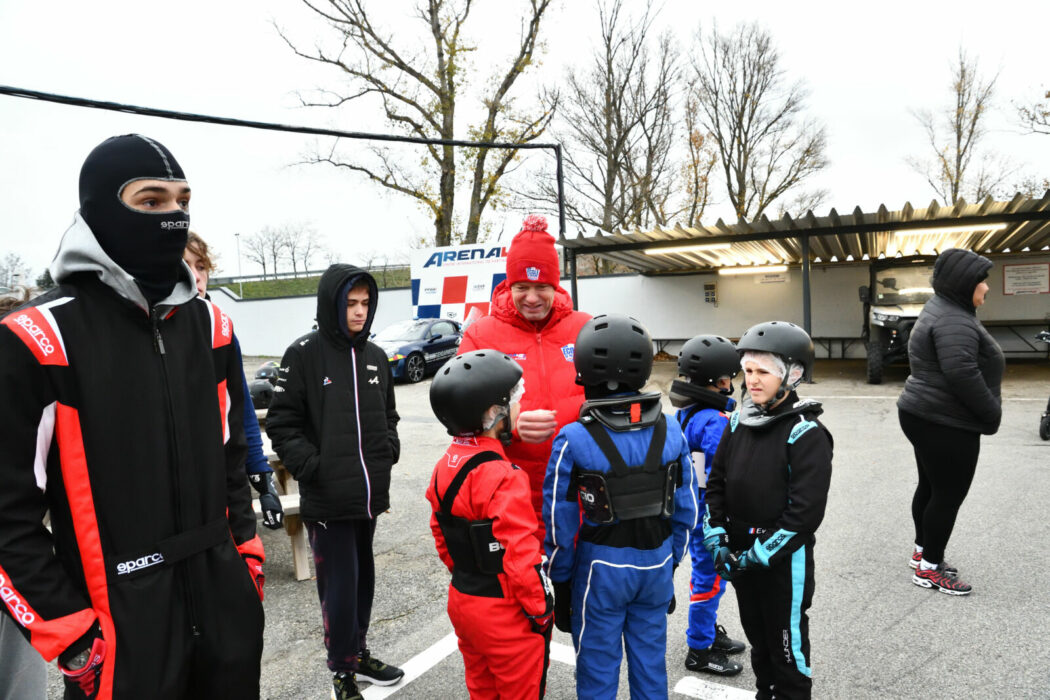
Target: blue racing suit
[
  {"x": 621, "y": 572},
  {"x": 703, "y": 428},
  {"x": 255, "y": 462}
]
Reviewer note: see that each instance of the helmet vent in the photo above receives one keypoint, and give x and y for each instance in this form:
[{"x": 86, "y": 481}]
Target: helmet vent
[
  {"x": 636, "y": 355},
  {"x": 466, "y": 365},
  {"x": 600, "y": 326},
  {"x": 601, "y": 352}
]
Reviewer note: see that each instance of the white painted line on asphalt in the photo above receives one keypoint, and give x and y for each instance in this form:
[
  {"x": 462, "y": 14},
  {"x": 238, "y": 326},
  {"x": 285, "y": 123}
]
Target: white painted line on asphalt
[
  {"x": 696, "y": 688},
  {"x": 563, "y": 653},
  {"x": 868, "y": 398},
  {"x": 415, "y": 667}
]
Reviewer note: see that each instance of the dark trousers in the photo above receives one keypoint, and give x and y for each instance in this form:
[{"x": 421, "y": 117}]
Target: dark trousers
[
  {"x": 946, "y": 459},
  {"x": 346, "y": 582},
  {"x": 773, "y": 604}
]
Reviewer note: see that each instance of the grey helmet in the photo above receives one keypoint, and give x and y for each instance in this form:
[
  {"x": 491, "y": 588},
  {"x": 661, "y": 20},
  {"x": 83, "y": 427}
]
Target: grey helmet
[
  {"x": 706, "y": 358},
  {"x": 469, "y": 385},
  {"x": 613, "y": 353},
  {"x": 788, "y": 341}
]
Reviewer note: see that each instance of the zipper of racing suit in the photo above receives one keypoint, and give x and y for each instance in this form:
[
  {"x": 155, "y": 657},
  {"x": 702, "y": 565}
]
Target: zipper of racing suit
[
  {"x": 182, "y": 573},
  {"x": 360, "y": 447},
  {"x": 543, "y": 369}
]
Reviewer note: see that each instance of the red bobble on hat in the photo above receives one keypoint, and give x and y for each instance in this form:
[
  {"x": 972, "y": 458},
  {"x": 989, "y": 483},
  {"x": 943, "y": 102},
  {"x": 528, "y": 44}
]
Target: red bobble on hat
[{"x": 532, "y": 257}]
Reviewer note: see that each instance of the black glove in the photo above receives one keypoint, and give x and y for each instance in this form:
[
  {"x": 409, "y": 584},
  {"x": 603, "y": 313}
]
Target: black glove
[
  {"x": 264, "y": 483},
  {"x": 541, "y": 623},
  {"x": 563, "y": 605},
  {"x": 86, "y": 656}
]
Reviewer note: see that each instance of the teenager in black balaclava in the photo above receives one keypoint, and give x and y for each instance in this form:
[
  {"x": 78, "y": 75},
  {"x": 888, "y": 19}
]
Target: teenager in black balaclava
[{"x": 148, "y": 245}]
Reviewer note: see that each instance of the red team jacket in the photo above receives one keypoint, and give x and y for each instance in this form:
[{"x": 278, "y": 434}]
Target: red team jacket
[
  {"x": 546, "y": 357},
  {"x": 499, "y": 491}
]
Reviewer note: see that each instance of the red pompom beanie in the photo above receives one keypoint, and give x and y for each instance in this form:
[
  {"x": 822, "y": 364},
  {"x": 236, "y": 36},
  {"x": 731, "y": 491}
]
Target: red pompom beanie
[{"x": 532, "y": 257}]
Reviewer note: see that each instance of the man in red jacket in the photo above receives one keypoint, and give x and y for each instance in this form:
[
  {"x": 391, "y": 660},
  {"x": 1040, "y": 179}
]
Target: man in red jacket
[{"x": 533, "y": 321}]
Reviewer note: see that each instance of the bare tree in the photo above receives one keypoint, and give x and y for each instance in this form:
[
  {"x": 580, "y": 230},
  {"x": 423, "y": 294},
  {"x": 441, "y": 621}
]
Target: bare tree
[
  {"x": 955, "y": 134},
  {"x": 754, "y": 116},
  {"x": 420, "y": 88},
  {"x": 696, "y": 170},
  {"x": 300, "y": 243},
  {"x": 275, "y": 242},
  {"x": 255, "y": 249},
  {"x": 617, "y": 123},
  {"x": 14, "y": 271},
  {"x": 1035, "y": 116}
]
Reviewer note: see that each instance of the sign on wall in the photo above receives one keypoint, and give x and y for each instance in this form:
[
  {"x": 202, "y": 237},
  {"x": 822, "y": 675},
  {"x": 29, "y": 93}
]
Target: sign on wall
[
  {"x": 456, "y": 281},
  {"x": 1026, "y": 279}
]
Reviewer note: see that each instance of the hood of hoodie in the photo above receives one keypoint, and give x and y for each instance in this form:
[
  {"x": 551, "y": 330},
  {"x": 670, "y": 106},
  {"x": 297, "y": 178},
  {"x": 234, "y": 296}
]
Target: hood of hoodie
[
  {"x": 503, "y": 307},
  {"x": 957, "y": 273},
  {"x": 79, "y": 251},
  {"x": 328, "y": 304},
  {"x": 754, "y": 417}
]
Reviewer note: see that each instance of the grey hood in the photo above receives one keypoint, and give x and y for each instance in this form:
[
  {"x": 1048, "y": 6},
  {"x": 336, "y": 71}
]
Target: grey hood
[
  {"x": 754, "y": 417},
  {"x": 80, "y": 251}
]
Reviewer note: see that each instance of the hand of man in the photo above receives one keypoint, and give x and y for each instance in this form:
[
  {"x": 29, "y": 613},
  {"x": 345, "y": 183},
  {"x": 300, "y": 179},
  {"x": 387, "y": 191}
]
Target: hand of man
[
  {"x": 84, "y": 668},
  {"x": 724, "y": 562},
  {"x": 537, "y": 425},
  {"x": 563, "y": 605},
  {"x": 673, "y": 604},
  {"x": 273, "y": 513}
]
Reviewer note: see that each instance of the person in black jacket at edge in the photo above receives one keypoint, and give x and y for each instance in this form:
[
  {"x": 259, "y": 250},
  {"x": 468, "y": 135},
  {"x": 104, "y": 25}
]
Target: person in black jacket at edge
[
  {"x": 122, "y": 414},
  {"x": 950, "y": 399},
  {"x": 333, "y": 422},
  {"x": 766, "y": 496}
]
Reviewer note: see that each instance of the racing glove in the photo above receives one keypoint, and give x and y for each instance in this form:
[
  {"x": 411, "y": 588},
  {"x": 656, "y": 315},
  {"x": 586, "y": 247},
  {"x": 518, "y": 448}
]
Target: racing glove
[
  {"x": 253, "y": 554},
  {"x": 673, "y": 604},
  {"x": 541, "y": 623},
  {"x": 563, "y": 605},
  {"x": 264, "y": 483},
  {"x": 81, "y": 663}
]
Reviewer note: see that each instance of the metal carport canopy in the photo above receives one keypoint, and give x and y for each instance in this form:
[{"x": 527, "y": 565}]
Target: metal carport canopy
[{"x": 1018, "y": 226}]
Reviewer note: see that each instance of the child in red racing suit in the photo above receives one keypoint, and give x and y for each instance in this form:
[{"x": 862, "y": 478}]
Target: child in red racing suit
[{"x": 484, "y": 528}]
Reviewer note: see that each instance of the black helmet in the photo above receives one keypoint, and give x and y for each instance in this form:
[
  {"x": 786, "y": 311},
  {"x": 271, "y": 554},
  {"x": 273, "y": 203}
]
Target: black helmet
[
  {"x": 262, "y": 392},
  {"x": 780, "y": 338},
  {"x": 705, "y": 358},
  {"x": 268, "y": 370},
  {"x": 614, "y": 353},
  {"x": 468, "y": 385}
]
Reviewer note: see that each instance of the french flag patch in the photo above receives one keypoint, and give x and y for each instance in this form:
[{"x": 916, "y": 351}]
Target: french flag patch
[{"x": 569, "y": 351}]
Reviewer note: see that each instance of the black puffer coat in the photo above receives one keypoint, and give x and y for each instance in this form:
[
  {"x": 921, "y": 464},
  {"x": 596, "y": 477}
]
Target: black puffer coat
[
  {"x": 332, "y": 420},
  {"x": 956, "y": 365}
]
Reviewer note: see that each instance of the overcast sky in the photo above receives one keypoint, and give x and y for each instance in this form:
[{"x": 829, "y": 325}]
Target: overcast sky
[{"x": 866, "y": 65}]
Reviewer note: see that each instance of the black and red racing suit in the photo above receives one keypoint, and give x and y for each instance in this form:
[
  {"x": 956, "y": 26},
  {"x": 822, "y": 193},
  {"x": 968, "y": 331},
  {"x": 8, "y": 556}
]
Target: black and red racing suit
[{"x": 127, "y": 427}]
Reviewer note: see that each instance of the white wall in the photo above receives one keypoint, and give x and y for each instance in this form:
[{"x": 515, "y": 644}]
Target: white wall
[{"x": 670, "y": 306}]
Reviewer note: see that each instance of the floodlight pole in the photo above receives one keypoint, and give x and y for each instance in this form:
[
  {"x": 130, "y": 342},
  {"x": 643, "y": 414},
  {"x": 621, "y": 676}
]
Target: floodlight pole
[{"x": 240, "y": 282}]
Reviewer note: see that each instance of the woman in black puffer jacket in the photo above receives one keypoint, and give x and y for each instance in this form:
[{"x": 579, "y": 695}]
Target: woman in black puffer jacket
[{"x": 950, "y": 399}]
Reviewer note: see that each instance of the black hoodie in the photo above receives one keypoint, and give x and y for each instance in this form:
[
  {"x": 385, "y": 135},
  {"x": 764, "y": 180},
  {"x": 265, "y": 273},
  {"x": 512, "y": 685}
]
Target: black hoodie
[
  {"x": 956, "y": 365},
  {"x": 333, "y": 420}
]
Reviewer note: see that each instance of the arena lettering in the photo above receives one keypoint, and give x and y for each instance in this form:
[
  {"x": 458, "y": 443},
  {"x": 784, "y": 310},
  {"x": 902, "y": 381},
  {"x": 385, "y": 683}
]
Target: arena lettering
[
  {"x": 18, "y": 609},
  {"x": 450, "y": 256},
  {"x": 36, "y": 333}
]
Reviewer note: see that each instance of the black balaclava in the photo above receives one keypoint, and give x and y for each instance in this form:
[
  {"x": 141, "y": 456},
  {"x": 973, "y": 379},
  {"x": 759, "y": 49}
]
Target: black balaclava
[{"x": 146, "y": 245}]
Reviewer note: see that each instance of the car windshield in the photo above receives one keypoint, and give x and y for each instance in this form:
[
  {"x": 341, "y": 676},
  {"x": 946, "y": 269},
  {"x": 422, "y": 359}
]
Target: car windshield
[
  {"x": 904, "y": 285},
  {"x": 403, "y": 330}
]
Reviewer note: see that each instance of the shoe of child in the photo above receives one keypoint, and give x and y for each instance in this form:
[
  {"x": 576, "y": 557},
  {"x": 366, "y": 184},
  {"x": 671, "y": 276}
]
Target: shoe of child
[
  {"x": 940, "y": 579},
  {"x": 376, "y": 672},
  {"x": 724, "y": 643},
  {"x": 711, "y": 661}
]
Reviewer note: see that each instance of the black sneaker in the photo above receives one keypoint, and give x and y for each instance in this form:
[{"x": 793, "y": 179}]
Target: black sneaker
[
  {"x": 724, "y": 644},
  {"x": 344, "y": 687},
  {"x": 711, "y": 661},
  {"x": 376, "y": 672}
]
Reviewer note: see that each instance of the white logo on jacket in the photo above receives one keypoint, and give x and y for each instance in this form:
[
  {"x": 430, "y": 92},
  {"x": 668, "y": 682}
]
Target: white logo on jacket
[
  {"x": 18, "y": 608},
  {"x": 127, "y": 567}
]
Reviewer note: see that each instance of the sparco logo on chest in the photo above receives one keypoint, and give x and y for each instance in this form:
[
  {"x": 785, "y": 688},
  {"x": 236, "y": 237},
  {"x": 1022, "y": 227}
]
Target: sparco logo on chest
[
  {"x": 15, "y": 604},
  {"x": 131, "y": 565},
  {"x": 36, "y": 333}
]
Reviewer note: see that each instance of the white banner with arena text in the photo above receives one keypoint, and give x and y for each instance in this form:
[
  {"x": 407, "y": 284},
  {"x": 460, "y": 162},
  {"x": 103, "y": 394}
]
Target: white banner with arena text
[{"x": 456, "y": 282}]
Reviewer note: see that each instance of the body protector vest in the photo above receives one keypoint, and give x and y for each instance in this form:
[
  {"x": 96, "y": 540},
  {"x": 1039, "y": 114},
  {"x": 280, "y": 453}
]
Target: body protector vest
[
  {"x": 477, "y": 556},
  {"x": 627, "y": 492}
]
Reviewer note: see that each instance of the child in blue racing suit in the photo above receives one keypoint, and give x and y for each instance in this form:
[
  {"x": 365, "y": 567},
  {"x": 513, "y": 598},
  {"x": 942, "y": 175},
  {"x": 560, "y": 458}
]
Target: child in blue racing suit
[
  {"x": 707, "y": 365},
  {"x": 620, "y": 501}
]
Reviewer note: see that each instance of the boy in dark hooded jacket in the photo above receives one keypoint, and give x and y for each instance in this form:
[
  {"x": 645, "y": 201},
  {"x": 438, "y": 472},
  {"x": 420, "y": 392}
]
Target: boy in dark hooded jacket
[{"x": 333, "y": 423}]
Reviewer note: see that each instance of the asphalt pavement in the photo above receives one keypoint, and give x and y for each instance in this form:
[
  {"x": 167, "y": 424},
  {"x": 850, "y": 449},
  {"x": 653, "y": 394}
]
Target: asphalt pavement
[{"x": 873, "y": 633}]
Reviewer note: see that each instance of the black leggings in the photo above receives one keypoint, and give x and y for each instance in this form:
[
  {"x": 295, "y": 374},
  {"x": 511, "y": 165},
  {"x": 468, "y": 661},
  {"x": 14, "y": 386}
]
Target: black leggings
[{"x": 947, "y": 459}]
